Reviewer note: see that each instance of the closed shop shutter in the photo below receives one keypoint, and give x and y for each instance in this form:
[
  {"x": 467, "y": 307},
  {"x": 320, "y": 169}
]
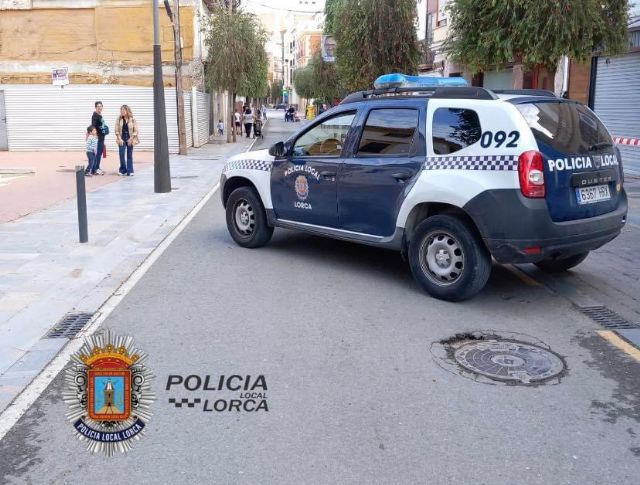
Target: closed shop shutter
[
  {"x": 617, "y": 97},
  {"x": 43, "y": 117},
  {"x": 187, "y": 117},
  {"x": 204, "y": 102}
]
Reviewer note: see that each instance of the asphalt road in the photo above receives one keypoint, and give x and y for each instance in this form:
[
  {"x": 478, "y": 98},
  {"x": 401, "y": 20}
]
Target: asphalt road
[{"x": 359, "y": 388}]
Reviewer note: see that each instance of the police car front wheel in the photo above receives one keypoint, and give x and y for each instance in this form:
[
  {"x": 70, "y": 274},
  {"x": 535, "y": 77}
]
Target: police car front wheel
[
  {"x": 246, "y": 218},
  {"x": 448, "y": 259}
]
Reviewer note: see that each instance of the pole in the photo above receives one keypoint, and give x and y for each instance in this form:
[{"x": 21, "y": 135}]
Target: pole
[
  {"x": 161, "y": 169},
  {"x": 82, "y": 204},
  {"x": 182, "y": 130}
]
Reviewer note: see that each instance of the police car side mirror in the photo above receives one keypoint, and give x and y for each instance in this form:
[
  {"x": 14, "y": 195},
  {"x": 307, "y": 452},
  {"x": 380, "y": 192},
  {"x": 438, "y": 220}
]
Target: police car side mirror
[{"x": 277, "y": 150}]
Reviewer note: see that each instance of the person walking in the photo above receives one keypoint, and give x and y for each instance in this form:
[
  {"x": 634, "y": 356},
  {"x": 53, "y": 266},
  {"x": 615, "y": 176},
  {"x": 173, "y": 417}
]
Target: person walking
[
  {"x": 102, "y": 130},
  {"x": 126, "y": 138},
  {"x": 248, "y": 121},
  {"x": 237, "y": 119},
  {"x": 92, "y": 148}
]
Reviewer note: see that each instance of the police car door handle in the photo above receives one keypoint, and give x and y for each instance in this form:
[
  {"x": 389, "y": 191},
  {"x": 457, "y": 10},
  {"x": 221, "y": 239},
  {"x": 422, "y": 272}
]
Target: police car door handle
[
  {"x": 328, "y": 174},
  {"x": 401, "y": 176}
]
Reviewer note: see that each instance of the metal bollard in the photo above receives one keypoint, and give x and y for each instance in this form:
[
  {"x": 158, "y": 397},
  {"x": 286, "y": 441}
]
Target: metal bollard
[{"x": 82, "y": 204}]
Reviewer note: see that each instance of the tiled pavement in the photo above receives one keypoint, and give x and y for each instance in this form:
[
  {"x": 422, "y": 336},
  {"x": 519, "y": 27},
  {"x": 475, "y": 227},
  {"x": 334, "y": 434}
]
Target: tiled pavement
[{"x": 45, "y": 272}]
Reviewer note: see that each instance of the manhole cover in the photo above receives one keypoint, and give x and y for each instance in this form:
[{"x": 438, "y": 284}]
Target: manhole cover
[{"x": 509, "y": 361}]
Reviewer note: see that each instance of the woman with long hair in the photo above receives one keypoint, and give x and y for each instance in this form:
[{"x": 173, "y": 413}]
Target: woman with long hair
[{"x": 126, "y": 137}]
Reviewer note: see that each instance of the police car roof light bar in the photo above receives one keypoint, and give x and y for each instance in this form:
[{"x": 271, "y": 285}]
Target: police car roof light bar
[
  {"x": 470, "y": 92},
  {"x": 397, "y": 80}
]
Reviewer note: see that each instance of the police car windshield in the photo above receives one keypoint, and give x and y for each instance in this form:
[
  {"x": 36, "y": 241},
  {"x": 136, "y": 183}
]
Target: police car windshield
[{"x": 565, "y": 126}]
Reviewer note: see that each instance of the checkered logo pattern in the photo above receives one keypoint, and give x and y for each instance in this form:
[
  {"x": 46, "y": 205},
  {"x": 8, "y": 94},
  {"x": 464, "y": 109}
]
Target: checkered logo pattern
[
  {"x": 180, "y": 402},
  {"x": 479, "y": 162},
  {"x": 248, "y": 164}
]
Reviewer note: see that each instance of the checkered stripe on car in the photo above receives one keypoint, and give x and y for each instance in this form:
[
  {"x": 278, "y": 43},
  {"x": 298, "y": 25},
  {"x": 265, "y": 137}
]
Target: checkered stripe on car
[
  {"x": 179, "y": 403},
  {"x": 480, "y": 162},
  {"x": 248, "y": 165}
]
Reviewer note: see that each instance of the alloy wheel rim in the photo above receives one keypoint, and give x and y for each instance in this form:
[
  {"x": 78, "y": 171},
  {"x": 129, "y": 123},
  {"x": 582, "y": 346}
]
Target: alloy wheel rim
[
  {"x": 441, "y": 258},
  {"x": 244, "y": 218}
]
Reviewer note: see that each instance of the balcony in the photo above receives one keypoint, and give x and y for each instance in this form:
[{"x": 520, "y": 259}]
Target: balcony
[{"x": 427, "y": 56}]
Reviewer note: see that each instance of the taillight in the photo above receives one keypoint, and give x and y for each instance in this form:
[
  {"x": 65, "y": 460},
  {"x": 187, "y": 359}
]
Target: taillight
[{"x": 531, "y": 174}]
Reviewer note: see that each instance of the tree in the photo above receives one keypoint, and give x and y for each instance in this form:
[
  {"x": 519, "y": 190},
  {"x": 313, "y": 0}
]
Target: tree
[
  {"x": 373, "y": 37},
  {"x": 237, "y": 61},
  {"x": 487, "y": 35},
  {"x": 275, "y": 91},
  {"x": 326, "y": 86},
  {"x": 303, "y": 82}
]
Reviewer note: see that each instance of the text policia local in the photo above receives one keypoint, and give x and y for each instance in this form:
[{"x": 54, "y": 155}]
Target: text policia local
[{"x": 221, "y": 383}]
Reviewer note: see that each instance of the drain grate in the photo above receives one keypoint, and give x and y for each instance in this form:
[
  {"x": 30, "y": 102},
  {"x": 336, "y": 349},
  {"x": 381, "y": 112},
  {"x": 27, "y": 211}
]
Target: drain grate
[
  {"x": 607, "y": 318},
  {"x": 70, "y": 325}
]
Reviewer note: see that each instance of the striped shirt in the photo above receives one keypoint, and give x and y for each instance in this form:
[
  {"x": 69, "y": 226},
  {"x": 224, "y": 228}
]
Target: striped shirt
[{"x": 92, "y": 144}]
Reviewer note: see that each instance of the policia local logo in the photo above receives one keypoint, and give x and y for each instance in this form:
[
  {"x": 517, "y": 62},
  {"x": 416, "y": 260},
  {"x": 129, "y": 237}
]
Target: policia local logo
[
  {"x": 251, "y": 392},
  {"x": 108, "y": 393}
]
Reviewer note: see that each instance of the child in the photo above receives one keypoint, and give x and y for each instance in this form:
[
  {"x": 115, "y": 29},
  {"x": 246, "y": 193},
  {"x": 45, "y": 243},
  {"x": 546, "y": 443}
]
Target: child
[
  {"x": 220, "y": 128},
  {"x": 92, "y": 148}
]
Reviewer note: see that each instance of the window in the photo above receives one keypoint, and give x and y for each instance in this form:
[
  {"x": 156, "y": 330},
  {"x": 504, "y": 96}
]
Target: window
[
  {"x": 454, "y": 129},
  {"x": 388, "y": 132},
  {"x": 566, "y": 127},
  {"x": 325, "y": 139}
]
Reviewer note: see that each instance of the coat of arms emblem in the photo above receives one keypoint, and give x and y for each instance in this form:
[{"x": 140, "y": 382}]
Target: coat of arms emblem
[{"x": 108, "y": 393}]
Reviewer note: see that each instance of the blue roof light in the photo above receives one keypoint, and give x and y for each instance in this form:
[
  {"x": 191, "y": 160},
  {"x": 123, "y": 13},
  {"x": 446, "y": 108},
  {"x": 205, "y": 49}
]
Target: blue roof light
[{"x": 397, "y": 80}]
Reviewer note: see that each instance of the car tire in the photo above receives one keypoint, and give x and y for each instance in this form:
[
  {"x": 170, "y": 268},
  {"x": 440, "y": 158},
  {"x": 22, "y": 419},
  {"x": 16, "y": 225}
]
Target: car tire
[
  {"x": 448, "y": 259},
  {"x": 247, "y": 219},
  {"x": 559, "y": 265}
]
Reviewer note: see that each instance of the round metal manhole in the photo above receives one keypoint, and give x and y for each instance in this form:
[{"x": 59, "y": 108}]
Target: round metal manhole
[{"x": 509, "y": 361}]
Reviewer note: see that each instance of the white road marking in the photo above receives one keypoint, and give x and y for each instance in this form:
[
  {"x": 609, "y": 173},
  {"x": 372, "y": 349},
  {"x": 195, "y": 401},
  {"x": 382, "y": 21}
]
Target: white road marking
[{"x": 30, "y": 394}]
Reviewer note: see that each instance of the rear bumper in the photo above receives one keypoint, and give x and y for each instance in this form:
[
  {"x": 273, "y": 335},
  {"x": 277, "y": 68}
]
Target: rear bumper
[{"x": 510, "y": 224}]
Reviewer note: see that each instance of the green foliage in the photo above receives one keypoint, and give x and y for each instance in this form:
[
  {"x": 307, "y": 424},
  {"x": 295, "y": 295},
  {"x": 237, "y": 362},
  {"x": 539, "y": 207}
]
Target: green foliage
[
  {"x": 237, "y": 61},
  {"x": 373, "y": 37},
  {"x": 275, "y": 91},
  {"x": 325, "y": 79},
  {"x": 330, "y": 8},
  {"x": 303, "y": 82},
  {"x": 486, "y": 35}
]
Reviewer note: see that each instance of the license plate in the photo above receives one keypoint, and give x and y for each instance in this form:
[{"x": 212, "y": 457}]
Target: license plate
[{"x": 589, "y": 195}]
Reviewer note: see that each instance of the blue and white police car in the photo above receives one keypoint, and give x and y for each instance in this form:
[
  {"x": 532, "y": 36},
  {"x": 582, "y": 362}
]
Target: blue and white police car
[{"x": 450, "y": 175}]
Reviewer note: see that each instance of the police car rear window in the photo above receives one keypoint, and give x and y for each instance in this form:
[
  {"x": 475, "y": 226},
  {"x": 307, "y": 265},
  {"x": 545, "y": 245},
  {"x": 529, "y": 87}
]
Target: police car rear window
[
  {"x": 388, "y": 132},
  {"x": 454, "y": 129},
  {"x": 566, "y": 127}
]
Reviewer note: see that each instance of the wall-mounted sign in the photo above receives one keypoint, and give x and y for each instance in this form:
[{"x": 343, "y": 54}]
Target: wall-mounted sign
[{"x": 60, "y": 76}]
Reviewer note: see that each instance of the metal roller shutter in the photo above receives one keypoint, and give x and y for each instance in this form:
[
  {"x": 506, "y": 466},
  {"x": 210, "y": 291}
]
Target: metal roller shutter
[
  {"x": 43, "y": 117},
  {"x": 203, "y": 117},
  {"x": 187, "y": 117},
  {"x": 617, "y": 97}
]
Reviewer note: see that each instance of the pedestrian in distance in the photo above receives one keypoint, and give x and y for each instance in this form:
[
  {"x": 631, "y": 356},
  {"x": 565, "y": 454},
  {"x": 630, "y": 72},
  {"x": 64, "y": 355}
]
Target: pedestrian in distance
[
  {"x": 237, "y": 119},
  {"x": 264, "y": 112},
  {"x": 91, "y": 149},
  {"x": 126, "y": 138},
  {"x": 248, "y": 121},
  {"x": 102, "y": 130},
  {"x": 220, "y": 128}
]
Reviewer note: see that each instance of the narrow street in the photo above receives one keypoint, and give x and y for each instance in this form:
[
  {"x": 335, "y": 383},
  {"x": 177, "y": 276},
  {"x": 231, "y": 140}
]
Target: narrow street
[{"x": 360, "y": 384}]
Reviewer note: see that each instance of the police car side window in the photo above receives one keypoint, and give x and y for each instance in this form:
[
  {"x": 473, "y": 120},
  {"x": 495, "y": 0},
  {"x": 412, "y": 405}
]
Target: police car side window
[
  {"x": 454, "y": 129},
  {"x": 325, "y": 139},
  {"x": 388, "y": 132}
]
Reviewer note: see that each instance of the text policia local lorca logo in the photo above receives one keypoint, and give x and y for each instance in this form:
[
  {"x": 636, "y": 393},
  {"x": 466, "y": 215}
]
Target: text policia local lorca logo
[{"x": 250, "y": 392}]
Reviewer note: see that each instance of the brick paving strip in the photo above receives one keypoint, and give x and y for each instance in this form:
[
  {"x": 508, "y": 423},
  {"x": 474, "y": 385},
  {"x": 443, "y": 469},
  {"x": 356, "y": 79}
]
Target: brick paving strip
[{"x": 46, "y": 273}]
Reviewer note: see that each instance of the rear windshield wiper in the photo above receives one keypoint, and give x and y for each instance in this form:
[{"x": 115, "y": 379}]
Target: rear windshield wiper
[{"x": 598, "y": 146}]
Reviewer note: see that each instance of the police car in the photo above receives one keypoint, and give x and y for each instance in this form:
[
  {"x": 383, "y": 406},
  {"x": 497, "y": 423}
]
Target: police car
[{"x": 449, "y": 175}]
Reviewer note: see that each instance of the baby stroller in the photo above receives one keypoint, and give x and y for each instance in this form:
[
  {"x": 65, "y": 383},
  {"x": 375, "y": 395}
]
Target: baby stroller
[{"x": 257, "y": 129}]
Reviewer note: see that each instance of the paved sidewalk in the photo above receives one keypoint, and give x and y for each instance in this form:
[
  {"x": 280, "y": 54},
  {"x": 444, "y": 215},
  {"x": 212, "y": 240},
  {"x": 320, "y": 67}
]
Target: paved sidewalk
[
  {"x": 45, "y": 273},
  {"x": 32, "y": 181}
]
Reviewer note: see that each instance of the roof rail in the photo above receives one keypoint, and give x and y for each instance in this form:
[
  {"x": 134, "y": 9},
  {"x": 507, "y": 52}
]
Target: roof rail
[
  {"x": 433, "y": 92},
  {"x": 526, "y": 92}
]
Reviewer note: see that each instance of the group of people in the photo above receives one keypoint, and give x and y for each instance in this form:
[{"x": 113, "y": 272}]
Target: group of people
[
  {"x": 251, "y": 119},
  {"x": 126, "y": 132}
]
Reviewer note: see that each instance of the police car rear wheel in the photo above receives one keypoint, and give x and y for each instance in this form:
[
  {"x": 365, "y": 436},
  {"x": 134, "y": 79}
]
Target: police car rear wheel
[
  {"x": 246, "y": 218},
  {"x": 559, "y": 265},
  {"x": 448, "y": 259}
]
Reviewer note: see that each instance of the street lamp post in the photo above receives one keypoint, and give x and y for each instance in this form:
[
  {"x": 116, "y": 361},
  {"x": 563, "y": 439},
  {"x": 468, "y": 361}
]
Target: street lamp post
[{"x": 161, "y": 171}]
